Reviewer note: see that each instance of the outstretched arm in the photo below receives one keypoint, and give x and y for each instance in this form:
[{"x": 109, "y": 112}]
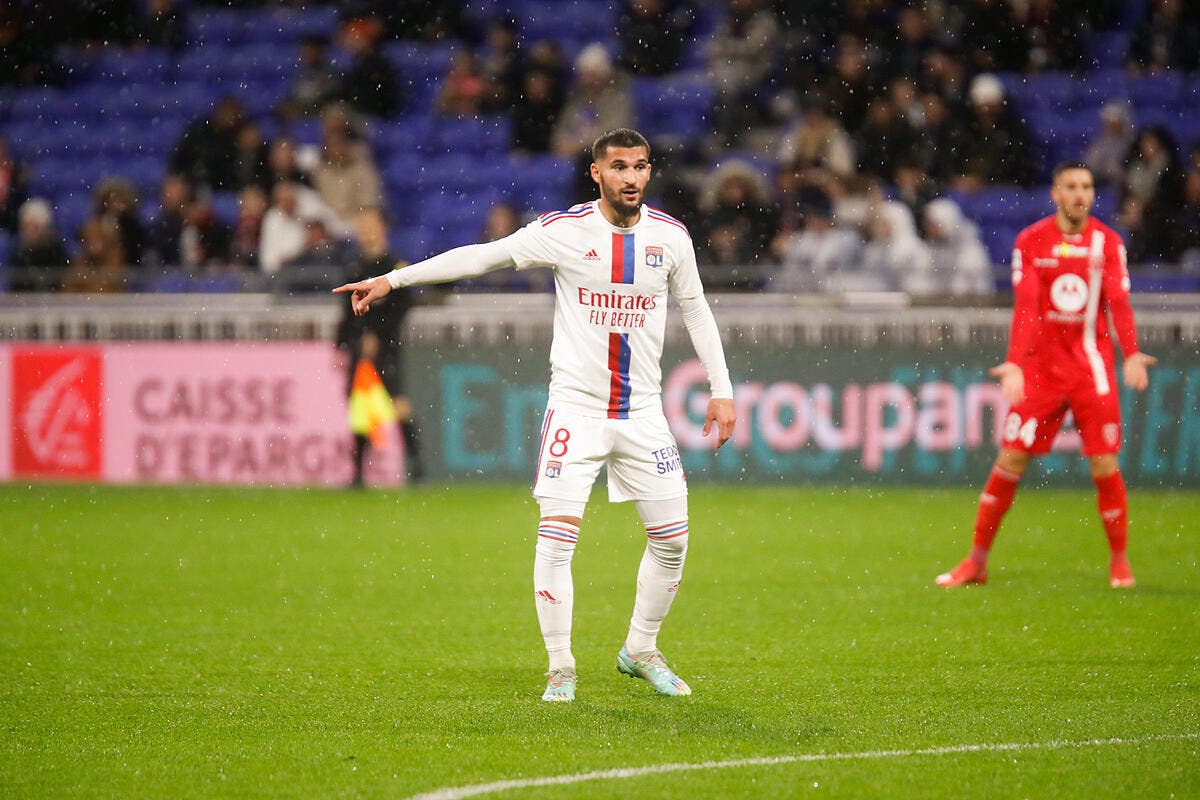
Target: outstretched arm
[{"x": 453, "y": 265}]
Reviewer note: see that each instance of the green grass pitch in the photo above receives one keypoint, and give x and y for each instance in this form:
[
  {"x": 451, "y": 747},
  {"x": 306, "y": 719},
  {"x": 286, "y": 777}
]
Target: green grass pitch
[{"x": 196, "y": 642}]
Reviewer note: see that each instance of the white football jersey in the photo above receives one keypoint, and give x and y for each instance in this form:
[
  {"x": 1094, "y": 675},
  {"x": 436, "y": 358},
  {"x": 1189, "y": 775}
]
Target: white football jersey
[{"x": 611, "y": 309}]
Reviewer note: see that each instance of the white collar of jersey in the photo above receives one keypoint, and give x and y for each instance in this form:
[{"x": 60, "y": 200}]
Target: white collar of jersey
[{"x": 617, "y": 228}]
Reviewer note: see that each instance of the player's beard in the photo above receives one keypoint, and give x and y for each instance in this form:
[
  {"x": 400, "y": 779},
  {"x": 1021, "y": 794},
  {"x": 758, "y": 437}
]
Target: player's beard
[
  {"x": 626, "y": 208},
  {"x": 1076, "y": 216}
]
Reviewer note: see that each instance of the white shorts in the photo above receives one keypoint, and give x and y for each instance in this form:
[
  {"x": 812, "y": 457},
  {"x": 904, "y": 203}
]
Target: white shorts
[{"x": 641, "y": 455}]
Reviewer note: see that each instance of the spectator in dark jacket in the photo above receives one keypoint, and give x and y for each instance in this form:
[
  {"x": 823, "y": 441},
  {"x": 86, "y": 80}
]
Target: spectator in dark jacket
[
  {"x": 653, "y": 35},
  {"x": 163, "y": 24},
  {"x": 207, "y": 151},
  {"x": 250, "y": 156},
  {"x": 14, "y": 187},
  {"x": 536, "y": 112},
  {"x": 167, "y": 226},
  {"x": 370, "y": 85},
  {"x": 315, "y": 83},
  {"x": 998, "y": 143},
  {"x": 39, "y": 256},
  {"x": 116, "y": 201},
  {"x": 1168, "y": 37}
]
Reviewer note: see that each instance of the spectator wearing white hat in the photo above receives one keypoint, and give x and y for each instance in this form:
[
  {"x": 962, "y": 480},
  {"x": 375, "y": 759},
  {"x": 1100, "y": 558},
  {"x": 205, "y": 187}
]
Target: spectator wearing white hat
[
  {"x": 38, "y": 254},
  {"x": 998, "y": 142},
  {"x": 958, "y": 262},
  {"x": 1108, "y": 152},
  {"x": 599, "y": 101}
]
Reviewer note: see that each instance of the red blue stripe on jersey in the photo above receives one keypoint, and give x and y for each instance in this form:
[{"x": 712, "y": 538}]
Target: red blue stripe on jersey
[
  {"x": 574, "y": 212},
  {"x": 623, "y": 270},
  {"x": 663, "y": 216},
  {"x": 622, "y": 258},
  {"x": 618, "y": 369}
]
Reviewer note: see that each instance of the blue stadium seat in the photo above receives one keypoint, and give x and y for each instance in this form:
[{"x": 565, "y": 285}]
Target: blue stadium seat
[
  {"x": 408, "y": 134},
  {"x": 171, "y": 283},
  {"x": 420, "y": 67},
  {"x": 260, "y": 97},
  {"x": 204, "y": 62},
  {"x": 404, "y": 168},
  {"x": 218, "y": 26},
  {"x": 1166, "y": 90},
  {"x": 542, "y": 177},
  {"x": 306, "y": 131},
  {"x": 486, "y": 135},
  {"x": 45, "y": 105},
  {"x": 576, "y": 20},
  {"x": 222, "y": 282},
  {"x": 451, "y": 210},
  {"x": 1108, "y": 48},
  {"x": 148, "y": 101},
  {"x": 999, "y": 239},
  {"x": 283, "y": 26},
  {"x": 1050, "y": 89},
  {"x": 256, "y": 63},
  {"x": 53, "y": 176},
  {"x": 411, "y": 243},
  {"x": 70, "y": 211},
  {"x": 225, "y": 206},
  {"x": 1005, "y": 206},
  {"x": 26, "y": 138},
  {"x": 1107, "y": 203},
  {"x": 459, "y": 172},
  {"x": 145, "y": 172},
  {"x": 673, "y": 105},
  {"x": 1101, "y": 86}
]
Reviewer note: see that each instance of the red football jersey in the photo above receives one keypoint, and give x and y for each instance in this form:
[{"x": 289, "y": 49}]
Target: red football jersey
[{"x": 1064, "y": 286}]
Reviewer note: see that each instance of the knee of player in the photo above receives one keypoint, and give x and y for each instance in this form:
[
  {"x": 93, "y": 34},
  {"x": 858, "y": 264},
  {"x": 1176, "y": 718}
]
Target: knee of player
[{"x": 668, "y": 541}]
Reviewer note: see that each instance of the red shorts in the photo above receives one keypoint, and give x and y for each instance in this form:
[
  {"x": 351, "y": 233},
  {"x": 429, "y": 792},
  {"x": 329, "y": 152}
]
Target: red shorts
[{"x": 1032, "y": 424}]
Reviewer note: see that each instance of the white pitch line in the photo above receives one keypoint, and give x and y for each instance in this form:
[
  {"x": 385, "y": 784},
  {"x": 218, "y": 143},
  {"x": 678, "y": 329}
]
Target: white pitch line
[{"x": 459, "y": 792}]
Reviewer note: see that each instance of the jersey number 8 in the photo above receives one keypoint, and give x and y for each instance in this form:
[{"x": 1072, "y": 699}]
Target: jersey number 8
[{"x": 558, "y": 447}]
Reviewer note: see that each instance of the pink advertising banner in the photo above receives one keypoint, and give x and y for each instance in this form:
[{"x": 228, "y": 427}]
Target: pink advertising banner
[{"x": 230, "y": 413}]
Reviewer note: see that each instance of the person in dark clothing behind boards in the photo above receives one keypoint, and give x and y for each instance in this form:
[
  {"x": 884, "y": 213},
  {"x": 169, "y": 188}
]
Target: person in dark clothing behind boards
[{"x": 375, "y": 259}]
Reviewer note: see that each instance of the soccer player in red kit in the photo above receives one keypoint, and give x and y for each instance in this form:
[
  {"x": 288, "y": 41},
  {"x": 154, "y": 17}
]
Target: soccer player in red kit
[{"x": 1068, "y": 275}]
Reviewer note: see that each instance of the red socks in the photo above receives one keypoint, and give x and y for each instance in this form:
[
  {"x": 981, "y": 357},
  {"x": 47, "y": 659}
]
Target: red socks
[
  {"x": 997, "y": 496},
  {"x": 1114, "y": 512}
]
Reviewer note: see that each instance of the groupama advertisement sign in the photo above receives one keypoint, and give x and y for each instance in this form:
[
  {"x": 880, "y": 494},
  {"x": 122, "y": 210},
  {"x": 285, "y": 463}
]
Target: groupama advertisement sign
[{"x": 806, "y": 414}]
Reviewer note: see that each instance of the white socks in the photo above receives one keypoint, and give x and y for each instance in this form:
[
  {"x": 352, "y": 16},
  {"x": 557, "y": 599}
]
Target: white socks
[
  {"x": 554, "y": 591},
  {"x": 658, "y": 580}
]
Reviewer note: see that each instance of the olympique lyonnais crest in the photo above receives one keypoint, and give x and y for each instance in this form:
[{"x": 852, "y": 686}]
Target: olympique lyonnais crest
[
  {"x": 553, "y": 469},
  {"x": 654, "y": 256}
]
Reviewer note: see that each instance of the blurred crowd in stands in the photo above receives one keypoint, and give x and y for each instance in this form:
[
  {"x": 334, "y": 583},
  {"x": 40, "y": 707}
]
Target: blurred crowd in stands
[{"x": 844, "y": 140}]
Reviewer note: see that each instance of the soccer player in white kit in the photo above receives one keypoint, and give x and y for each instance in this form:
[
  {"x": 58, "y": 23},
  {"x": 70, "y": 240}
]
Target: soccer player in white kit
[{"x": 614, "y": 261}]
